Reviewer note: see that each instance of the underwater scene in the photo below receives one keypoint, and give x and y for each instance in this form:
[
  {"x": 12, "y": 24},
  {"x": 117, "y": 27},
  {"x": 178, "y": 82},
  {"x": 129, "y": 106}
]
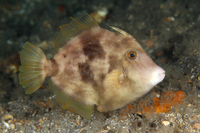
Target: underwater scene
[{"x": 103, "y": 66}]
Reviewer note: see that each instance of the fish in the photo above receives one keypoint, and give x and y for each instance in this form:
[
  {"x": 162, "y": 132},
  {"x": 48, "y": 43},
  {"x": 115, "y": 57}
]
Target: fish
[{"x": 92, "y": 68}]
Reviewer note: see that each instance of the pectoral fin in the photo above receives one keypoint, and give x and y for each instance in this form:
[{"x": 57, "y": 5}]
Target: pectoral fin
[{"x": 114, "y": 79}]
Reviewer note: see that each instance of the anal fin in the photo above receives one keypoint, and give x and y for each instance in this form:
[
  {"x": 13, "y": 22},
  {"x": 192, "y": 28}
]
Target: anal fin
[{"x": 71, "y": 103}]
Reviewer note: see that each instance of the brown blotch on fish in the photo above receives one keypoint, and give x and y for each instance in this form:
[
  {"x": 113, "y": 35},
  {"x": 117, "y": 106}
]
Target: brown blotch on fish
[
  {"x": 91, "y": 68},
  {"x": 64, "y": 55},
  {"x": 85, "y": 72},
  {"x": 79, "y": 92},
  {"x": 93, "y": 50},
  {"x": 102, "y": 76},
  {"x": 113, "y": 63}
]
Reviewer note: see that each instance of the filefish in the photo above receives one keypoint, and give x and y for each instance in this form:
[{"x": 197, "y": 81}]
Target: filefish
[{"x": 91, "y": 67}]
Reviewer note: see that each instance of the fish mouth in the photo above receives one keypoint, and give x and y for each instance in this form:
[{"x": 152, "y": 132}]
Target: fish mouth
[
  {"x": 158, "y": 76},
  {"x": 161, "y": 76}
]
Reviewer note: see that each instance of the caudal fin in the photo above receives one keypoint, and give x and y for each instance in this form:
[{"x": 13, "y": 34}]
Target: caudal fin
[{"x": 31, "y": 70}]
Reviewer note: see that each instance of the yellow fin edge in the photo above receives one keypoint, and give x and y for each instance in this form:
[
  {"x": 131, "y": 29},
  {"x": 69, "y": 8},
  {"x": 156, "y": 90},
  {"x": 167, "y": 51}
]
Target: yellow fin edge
[{"x": 76, "y": 26}]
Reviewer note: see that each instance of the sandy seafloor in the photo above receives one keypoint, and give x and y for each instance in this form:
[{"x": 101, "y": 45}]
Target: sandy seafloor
[{"x": 174, "y": 44}]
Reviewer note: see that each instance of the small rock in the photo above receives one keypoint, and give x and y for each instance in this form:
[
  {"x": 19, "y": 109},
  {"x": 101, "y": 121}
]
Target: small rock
[
  {"x": 179, "y": 117},
  {"x": 165, "y": 123},
  {"x": 124, "y": 130},
  {"x": 43, "y": 45},
  {"x": 78, "y": 120},
  {"x": 18, "y": 123},
  {"x": 104, "y": 131},
  {"x": 12, "y": 126},
  {"x": 9, "y": 42},
  {"x": 100, "y": 14},
  {"x": 7, "y": 120}
]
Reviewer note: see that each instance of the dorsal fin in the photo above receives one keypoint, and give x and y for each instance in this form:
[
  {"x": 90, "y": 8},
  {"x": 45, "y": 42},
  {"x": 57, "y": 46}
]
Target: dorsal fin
[
  {"x": 121, "y": 31},
  {"x": 72, "y": 29}
]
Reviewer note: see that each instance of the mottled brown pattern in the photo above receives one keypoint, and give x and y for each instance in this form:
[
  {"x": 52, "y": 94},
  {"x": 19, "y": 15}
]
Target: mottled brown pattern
[
  {"x": 116, "y": 44},
  {"x": 85, "y": 72},
  {"x": 93, "y": 50},
  {"x": 96, "y": 85},
  {"x": 79, "y": 92},
  {"x": 112, "y": 62},
  {"x": 64, "y": 55},
  {"x": 125, "y": 41},
  {"x": 69, "y": 73},
  {"x": 91, "y": 46},
  {"x": 102, "y": 76},
  {"x": 52, "y": 68},
  {"x": 75, "y": 54}
]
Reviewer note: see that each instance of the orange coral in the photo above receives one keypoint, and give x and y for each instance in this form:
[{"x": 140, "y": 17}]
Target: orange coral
[
  {"x": 164, "y": 103},
  {"x": 128, "y": 109},
  {"x": 161, "y": 104},
  {"x": 129, "y": 106},
  {"x": 124, "y": 113}
]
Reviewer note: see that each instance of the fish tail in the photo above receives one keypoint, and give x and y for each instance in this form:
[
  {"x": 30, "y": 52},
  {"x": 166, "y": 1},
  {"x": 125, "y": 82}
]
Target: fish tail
[{"x": 31, "y": 70}]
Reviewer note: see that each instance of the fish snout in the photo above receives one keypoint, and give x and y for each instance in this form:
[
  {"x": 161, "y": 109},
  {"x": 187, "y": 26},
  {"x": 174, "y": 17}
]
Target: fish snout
[{"x": 158, "y": 76}]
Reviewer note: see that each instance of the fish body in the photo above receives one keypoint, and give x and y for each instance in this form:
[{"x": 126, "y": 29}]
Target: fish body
[{"x": 92, "y": 66}]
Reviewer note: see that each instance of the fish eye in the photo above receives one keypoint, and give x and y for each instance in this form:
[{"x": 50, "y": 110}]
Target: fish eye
[{"x": 131, "y": 55}]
